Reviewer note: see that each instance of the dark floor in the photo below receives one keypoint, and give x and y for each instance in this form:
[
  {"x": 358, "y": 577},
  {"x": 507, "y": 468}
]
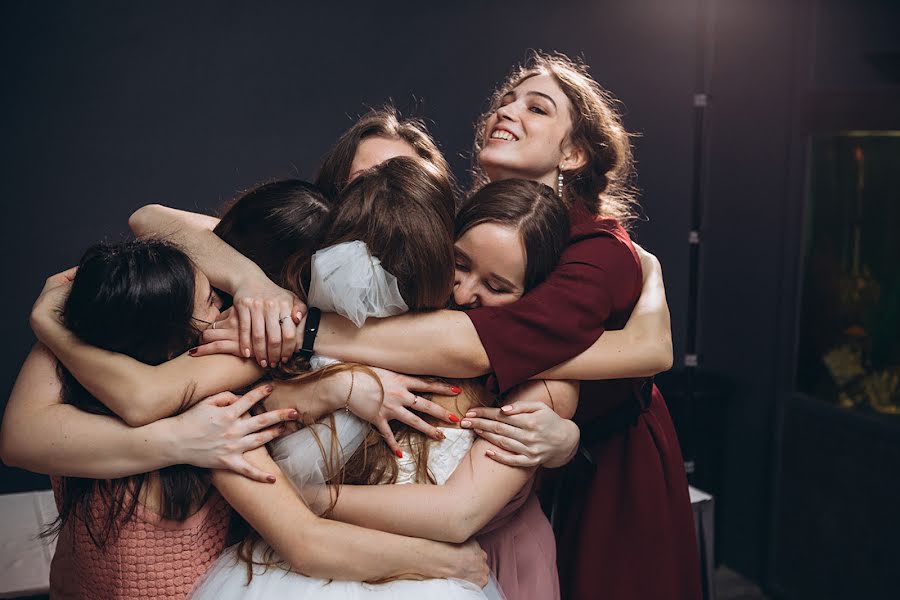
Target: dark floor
[{"x": 732, "y": 586}]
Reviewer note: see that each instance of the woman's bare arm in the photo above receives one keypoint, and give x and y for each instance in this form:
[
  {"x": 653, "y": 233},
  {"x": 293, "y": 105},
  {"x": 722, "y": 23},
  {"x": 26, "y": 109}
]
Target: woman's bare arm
[
  {"x": 41, "y": 434},
  {"x": 453, "y": 349},
  {"x": 320, "y": 548},
  {"x": 476, "y": 491},
  {"x": 272, "y": 310},
  {"x": 140, "y": 393},
  {"x": 453, "y": 512},
  {"x": 642, "y": 349}
]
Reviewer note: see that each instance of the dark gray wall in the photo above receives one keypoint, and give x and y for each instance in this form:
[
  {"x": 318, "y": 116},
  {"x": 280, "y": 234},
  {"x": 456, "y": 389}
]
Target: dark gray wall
[{"x": 108, "y": 106}]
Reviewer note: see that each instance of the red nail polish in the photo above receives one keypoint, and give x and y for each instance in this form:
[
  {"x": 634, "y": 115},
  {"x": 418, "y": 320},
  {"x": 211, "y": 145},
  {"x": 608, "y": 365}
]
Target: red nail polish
[
  {"x": 192, "y": 351},
  {"x": 269, "y": 388},
  {"x": 455, "y": 389},
  {"x": 270, "y": 479},
  {"x": 398, "y": 453},
  {"x": 454, "y": 418}
]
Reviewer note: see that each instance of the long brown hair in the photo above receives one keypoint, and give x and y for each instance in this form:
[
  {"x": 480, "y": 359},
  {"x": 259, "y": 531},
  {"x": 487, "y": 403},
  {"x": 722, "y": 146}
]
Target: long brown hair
[
  {"x": 275, "y": 222},
  {"x": 385, "y": 122},
  {"x": 400, "y": 209},
  {"x": 605, "y": 183},
  {"x": 529, "y": 207}
]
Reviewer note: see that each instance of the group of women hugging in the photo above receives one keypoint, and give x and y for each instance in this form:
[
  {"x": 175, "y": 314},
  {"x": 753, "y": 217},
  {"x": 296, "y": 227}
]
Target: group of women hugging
[{"x": 373, "y": 386}]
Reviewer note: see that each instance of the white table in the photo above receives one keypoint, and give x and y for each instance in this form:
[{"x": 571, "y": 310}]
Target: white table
[
  {"x": 703, "y": 505},
  {"x": 24, "y": 556}
]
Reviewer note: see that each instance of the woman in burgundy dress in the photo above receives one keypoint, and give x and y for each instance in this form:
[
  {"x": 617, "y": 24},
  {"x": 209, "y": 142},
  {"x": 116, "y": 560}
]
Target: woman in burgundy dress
[{"x": 629, "y": 511}]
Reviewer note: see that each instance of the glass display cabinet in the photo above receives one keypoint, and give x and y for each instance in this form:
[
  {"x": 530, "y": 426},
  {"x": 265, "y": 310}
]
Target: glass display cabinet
[{"x": 849, "y": 330}]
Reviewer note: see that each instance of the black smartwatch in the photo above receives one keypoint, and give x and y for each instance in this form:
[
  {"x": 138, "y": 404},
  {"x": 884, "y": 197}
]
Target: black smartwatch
[{"x": 309, "y": 332}]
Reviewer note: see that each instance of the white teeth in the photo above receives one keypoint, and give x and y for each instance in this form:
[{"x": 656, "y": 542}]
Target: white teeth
[{"x": 499, "y": 134}]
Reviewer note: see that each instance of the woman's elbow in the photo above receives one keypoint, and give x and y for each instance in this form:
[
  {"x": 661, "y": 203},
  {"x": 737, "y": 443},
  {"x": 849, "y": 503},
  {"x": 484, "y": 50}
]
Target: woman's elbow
[
  {"x": 665, "y": 355},
  {"x": 9, "y": 455},
  {"x": 141, "y": 219},
  {"x": 461, "y": 527},
  {"x": 140, "y": 411},
  {"x": 471, "y": 361}
]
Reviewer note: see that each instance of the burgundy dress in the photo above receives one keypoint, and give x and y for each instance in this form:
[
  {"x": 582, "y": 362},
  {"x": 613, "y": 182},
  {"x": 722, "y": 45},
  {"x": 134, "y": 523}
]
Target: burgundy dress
[{"x": 627, "y": 530}]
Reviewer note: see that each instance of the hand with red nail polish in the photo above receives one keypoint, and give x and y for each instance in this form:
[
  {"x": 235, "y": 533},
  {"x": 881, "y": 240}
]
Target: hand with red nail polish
[
  {"x": 398, "y": 397},
  {"x": 216, "y": 432}
]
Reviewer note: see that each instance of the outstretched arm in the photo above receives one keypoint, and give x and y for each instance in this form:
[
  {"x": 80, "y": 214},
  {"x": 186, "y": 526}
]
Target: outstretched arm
[
  {"x": 320, "y": 548},
  {"x": 478, "y": 489},
  {"x": 41, "y": 434},
  {"x": 140, "y": 393},
  {"x": 642, "y": 349}
]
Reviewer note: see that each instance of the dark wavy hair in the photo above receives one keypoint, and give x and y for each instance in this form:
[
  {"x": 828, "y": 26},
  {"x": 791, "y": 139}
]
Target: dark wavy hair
[
  {"x": 276, "y": 224},
  {"x": 605, "y": 183},
  {"x": 135, "y": 298},
  {"x": 385, "y": 122}
]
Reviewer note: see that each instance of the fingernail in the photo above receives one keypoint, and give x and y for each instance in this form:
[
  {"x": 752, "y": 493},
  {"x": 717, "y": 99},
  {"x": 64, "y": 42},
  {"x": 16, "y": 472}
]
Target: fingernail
[
  {"x": 455, "y": 389},
  {"x": 262, "y": 363},
  {"x": 293, "y": 414},
  {"x": 439, "y": 435},
  {"x": 465, "y": 423},
  {"x": 471, "y": 413},
  {"x": 488, "y": 452},
  {"x": 270, "y": 478},
  {"x": 246, "y": 352},
  {"x": 192, "y": 351},
  {"x": 454, "y": 418},
  {"x": 506, "y": 408},
  {"x": 399, "y": 453},
  {"x": 269, "y": 388}
]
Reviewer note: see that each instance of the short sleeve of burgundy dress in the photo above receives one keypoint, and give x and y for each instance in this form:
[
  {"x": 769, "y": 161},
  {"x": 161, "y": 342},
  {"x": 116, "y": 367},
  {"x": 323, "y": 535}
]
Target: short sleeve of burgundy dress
[
  {"x": 631, "y": 513},
  {"x": 593, "y": 288}
]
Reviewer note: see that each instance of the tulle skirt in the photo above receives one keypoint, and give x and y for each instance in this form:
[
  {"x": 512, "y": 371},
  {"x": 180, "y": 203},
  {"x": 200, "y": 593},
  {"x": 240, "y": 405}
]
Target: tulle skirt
[{"x": 227, "y": 580}]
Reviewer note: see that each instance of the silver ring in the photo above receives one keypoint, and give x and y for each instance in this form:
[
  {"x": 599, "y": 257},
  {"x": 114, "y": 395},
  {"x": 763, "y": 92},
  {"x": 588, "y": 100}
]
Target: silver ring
[
  {"x": 415, "y": 399},
  {"x": 281, "y": 320},
  {"x": 214, "y": 325}
]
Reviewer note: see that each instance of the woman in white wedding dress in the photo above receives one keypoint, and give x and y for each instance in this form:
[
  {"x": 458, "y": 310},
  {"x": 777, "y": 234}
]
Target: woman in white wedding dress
[{"x": 372, "y": 237}]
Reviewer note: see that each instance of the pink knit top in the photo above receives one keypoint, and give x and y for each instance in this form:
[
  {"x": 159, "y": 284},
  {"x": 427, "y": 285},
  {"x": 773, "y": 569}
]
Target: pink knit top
[{"x": 152, "y": 559}]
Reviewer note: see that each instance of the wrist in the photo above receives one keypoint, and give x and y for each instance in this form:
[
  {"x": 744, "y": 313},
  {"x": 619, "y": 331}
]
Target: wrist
[
  {"x": 573, "y": 436},
  {"x": 247, "y": 274},
  {"x": 444, "y": 562},
  {"x": 43, "y": 322},
  {"x": 163, "y": 438}
]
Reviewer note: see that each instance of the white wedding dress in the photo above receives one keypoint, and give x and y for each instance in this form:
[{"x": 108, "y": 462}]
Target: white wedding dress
[{"x": 345, "y": 279}]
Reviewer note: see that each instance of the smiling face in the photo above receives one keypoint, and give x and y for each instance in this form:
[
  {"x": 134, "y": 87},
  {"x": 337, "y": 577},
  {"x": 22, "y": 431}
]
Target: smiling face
[
  {"x": 527, "y": 136},
  {"x": 375, "y": 150},
  {"x": 490, "y": 266}
]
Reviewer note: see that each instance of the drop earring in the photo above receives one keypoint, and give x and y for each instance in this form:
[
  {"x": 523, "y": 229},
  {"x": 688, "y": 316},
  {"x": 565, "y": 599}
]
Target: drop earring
[{"x": 559, "y": 185}]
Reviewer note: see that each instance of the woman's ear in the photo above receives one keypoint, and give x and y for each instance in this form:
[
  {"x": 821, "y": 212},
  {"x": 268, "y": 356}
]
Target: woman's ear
[{"x": 574, "y": 158}]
